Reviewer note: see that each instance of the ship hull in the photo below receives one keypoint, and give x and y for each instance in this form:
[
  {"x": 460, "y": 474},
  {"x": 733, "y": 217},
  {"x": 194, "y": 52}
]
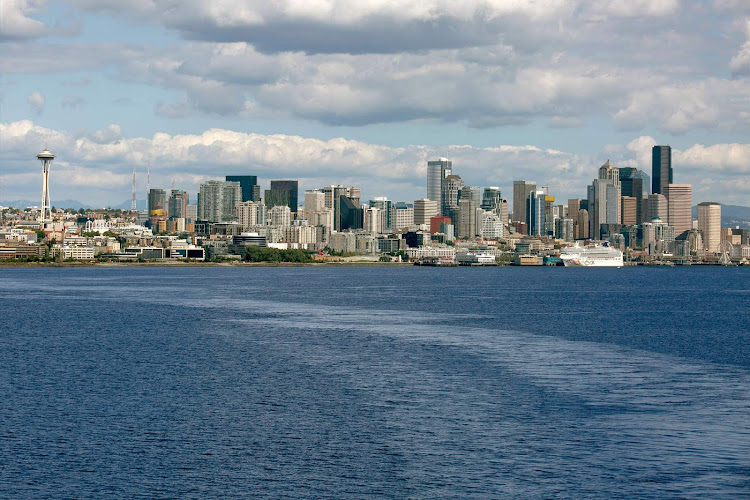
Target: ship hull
[{"x": 579, "y": 261}]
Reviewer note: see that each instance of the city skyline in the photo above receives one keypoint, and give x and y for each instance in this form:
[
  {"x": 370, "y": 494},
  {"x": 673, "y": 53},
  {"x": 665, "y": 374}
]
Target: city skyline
[{"x": 365, "y": 95}]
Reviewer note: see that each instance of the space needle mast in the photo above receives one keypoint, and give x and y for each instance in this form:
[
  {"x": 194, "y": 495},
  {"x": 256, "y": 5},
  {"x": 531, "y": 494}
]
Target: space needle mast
[{"x": 46, "y": 158}]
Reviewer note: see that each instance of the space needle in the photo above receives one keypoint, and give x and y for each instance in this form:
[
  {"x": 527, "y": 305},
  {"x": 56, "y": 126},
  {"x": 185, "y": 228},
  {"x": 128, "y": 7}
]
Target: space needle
[{"x": 46, "y": 158}]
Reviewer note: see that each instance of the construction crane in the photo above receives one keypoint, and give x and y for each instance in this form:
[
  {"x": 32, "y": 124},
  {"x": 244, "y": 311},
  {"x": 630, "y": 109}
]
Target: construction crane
[{"x": 547, "y": 186}]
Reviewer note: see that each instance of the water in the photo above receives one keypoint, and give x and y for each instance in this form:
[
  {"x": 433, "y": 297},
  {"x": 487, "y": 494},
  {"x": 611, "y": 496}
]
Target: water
[{"x": 373, "y": 381}]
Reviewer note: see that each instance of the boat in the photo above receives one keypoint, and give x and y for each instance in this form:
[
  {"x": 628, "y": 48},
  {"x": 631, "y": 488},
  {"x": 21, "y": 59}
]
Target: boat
[{"x": 591, "y": 256}]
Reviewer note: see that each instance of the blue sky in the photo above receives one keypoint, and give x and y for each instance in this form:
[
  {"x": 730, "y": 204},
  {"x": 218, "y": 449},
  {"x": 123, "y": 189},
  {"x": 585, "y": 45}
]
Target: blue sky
[{"x": 362, "y": 93}]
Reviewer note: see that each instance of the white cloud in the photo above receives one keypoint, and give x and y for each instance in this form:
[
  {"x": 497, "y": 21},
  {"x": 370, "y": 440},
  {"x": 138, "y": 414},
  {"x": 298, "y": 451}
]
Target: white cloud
[
  {"x": 15, "y": 22},
  {"x": 36, "y": 101},
  {"x": 740, "y": 63},
  {"x": 97, "y": 167}
]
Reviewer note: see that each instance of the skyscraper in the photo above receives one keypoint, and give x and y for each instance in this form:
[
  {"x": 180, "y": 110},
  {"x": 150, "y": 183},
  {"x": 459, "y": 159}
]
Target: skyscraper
[
  {"x": 217, "y": 199},
  {"x": 679, "y": 207},
  {"x": 491, "y": 199},
  {"x": 157, "y": 202},
  {"x": 386, "y": 212},
  {"x": 178, "y": 201},
  {"x": 247, "y": 184},
  {"x": 521, "y": 191},
  {"x": 661, "y": 168},
  {"x": 709, "y": 224},
  {"x": 467, "y": 213},
  {"x": 424, "y": 210},
  {"x": 452, "y": 186},
  {"x": 282, "y": 193},
  {"x": 656, "y": 206},
  {"x": 535, "y": 213},
  {"x": 437, "y": 170}
]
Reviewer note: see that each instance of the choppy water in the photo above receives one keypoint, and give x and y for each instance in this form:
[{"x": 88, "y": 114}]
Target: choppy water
[{"x": 358, "y": 382}]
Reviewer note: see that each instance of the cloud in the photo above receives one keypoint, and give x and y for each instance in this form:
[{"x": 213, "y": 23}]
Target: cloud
[
  {"x": 36, "y": 101},
  {"x": 740, "y": 63},
  {"x": 99, "y": 165},
  {"x": 15, "y": 22}
]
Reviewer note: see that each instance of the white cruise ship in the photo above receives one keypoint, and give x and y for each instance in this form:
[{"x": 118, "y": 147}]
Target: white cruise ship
[{"x": 591, "y": 256}]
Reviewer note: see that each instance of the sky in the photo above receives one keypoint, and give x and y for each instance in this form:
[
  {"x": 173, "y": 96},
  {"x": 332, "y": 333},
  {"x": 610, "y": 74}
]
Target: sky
[{"x": 364, "y": 92}]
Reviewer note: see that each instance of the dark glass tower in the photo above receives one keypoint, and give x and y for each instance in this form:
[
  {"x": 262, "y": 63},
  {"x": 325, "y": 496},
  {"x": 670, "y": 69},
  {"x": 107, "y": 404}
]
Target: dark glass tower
[
  {"x": 247, "y": 184},
  {"x": 283, "y": 192},
  {"x": 661, "y": 168}
]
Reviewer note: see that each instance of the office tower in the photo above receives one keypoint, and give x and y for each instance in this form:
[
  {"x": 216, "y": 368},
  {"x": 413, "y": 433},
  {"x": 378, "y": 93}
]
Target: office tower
[
  {"x": 491, "y": 226},
  {"x": 424, "y": 210},
  {"x": 709, "y": 224},
  {"x": 217, "y": 199},
  {"x": 656, "y": 207},
  {"x": 491, "y": 199},
  {"x": 371, "y": 220},
  {"x": 535, "y": 214},
  {"x": 549, "y": 215},
  {"x": 403, "y": 216},
  {"x": 636, "y": 185},
  {"x": 247, "y": 214},
  {"x": 355, "y": 194},
  {"x": 604, "y": 206},
  {"x": 629, "y": 210},
  {"x": 282, "y": 193},
  {"x": 467, "y": 213},
  {"x": 452, "y": 186},
  {"x": 178, "y": 201},
  {"x": 350, "y": 216},
  {"x": 386, "y": 212},
  {"x": 564, "y": 229},
  {"x": 280, "y": 216},
  {"x": 437, "y": 171},
  {"x": 582, "y": 224},
  {"x": 612, "y": 174},
  {"x": 679, "y": 207},
  {"x": 157, "y": 202},
  {"x": 315, "y": 200},
  {"x": 503, "y": 212},
  {"x": 521, "y": 191},
  {"x": 247, "y": 185},
  {"x": 661, "y": 168},
  {"x": 191, "y": 212}
]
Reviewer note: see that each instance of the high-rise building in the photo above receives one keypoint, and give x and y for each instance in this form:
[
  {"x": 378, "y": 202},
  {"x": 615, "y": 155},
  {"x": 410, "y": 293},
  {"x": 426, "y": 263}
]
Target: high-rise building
[
  {"x": 386, "y": 212},
  {"x": 247, "y": 214},
  {"x": 350, "y": 216},
  {"x": 637, "y": 185},
  {"x": 282, "y": 193},
  {"x": 656, "y": 207},
  {"x": 437, "y": 171},
  {"x": 709, "y": 224},
  {"x": 521, "y": 191},
  {"x": 582, "y": 224},
  {"x": 564, "y": 229},
  {"x": 247, "y": 185},
  {"x": 371, "y": 220},
  {"x": 452, "y": 186},
  {"x": 467, "y": 213},
  {"x": 604, "y": 206},
  {"x": 315, "y": 200},
  {"x": 178, "y": 202},
  {"x": 679, "y": 207},
  {"x": 491, "y": 227},
  {"x": 403, "y": 216},
  {"x": 424, "y": 210},
  {"x": 629, "y": 210},
  {"x": 280, "y": 216},
  {"x": 661, "y": 168},
  {"x": 217, "y": 199},
  {"x": 491, "y": 199},
  {"x": 536, "y": 217},
  {"x": 157, "y": 202}
]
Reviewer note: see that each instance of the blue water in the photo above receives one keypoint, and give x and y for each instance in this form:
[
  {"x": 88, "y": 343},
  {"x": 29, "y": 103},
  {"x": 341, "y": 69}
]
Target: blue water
[{"x": 374, "y": 381}]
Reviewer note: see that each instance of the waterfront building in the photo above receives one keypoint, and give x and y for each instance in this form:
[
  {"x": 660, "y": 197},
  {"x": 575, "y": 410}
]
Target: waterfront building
[
  {"x": 679, "y": 207},
  {"x": 521, "y": 191},
  {"x": 709, "y": 224}
]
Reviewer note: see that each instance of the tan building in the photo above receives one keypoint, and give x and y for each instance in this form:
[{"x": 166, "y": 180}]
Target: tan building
[
  {"x": 424, "y": 210},
  {"x": 629, "y": 210},
  {"x": 679, "y": 207},
  {"x": 709, "y": 224}
]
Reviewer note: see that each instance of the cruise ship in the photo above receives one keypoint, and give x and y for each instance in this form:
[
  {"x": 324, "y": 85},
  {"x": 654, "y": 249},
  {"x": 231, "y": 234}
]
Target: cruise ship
[{"x": 591, "y": 256}]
